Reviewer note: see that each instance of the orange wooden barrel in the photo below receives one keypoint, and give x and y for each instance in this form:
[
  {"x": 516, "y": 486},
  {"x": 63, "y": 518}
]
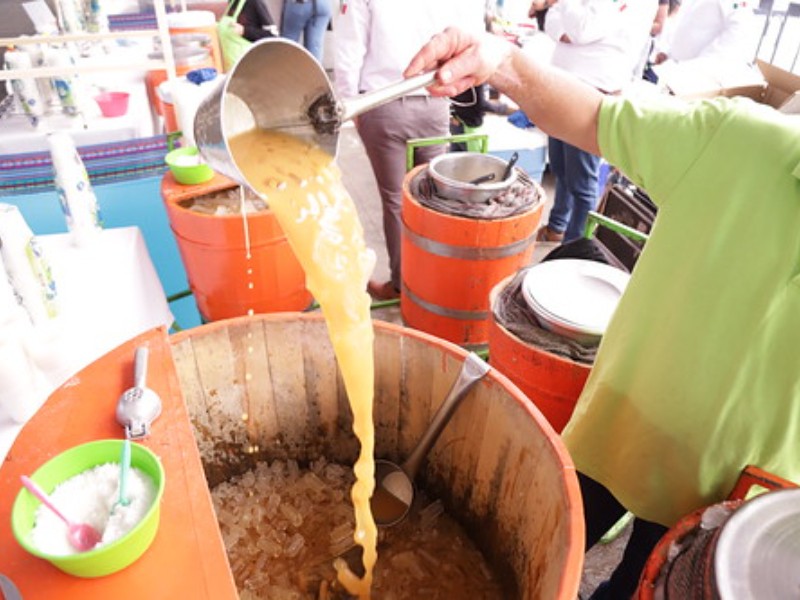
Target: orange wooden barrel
[
  {"x": 224, "y": 281},
  {"x": 662, "y": 560},
  {"x": 686, "y": 529},
  {"x": 451, "y": 263},
  {"x": 553, "y": 383},
  {"x": 183, "y": 64}
]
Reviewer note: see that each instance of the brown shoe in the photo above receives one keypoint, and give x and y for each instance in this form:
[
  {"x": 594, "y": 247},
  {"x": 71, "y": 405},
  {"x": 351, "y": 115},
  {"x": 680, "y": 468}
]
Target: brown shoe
[
  {"x": 382, "y": 291},
  {"x": 545, "y": 234}
]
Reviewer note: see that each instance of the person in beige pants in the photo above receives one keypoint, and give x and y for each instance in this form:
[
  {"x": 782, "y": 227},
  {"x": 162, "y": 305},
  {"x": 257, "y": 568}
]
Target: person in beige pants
[{"x": 374, "y": 41}]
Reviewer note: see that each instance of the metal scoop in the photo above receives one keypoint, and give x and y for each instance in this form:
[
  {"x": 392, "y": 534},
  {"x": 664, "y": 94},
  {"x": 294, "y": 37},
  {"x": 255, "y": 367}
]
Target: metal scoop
[
  {"x": 278, "y": 85},
  {"x": 138, "y": 406},
  {"x": 327, "y": 114},
  {"x": 483, "y": 179},
  {"x": 394, "y": 487},
  {"x": 512, "y": 161}
]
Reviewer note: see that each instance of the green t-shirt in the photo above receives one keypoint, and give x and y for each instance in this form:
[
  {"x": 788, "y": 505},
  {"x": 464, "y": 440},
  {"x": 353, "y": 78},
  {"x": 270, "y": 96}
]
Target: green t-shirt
[{"x": 698, "y": 375}]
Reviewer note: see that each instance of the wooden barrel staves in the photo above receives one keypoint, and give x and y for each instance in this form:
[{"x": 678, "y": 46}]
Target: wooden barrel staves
[
  {"x": 226, "y": 282},
  {"x": 553, "y": 383},
  {"x": 497, "y": 466},
  {"x": 450, "y": 265}
]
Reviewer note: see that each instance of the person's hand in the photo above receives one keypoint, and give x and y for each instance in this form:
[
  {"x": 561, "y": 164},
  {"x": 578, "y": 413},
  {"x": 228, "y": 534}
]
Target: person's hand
[
  {"x": 660, "y": 58},
  {"x": 463, "y": 60},
  {"x": 238, "y": 28},
  {"x": 538, "y": 6}
]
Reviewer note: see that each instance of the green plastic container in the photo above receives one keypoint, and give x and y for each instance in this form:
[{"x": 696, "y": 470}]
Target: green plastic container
[
  {"x": 188, "y": 174},
  {"x": 106, "y": 559}
]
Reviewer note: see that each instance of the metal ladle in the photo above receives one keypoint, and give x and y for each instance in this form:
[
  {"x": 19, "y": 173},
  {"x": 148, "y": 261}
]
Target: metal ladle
[
  {"x": 327, "y": 113},
  {"x": 138, "y": 406},
  {"x": 511, "y": 162},
  {"x": 394, "y": 487},
  {"x": 491, "y": 176},
  {"x": 483, "y": 179},
  {"x": 278, "y": 85}
]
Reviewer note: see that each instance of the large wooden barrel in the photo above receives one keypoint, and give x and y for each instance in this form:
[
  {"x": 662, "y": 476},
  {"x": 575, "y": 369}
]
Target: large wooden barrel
[
  {"x": 498, "y": 466},
  {"x": 224, "y": 281},
  {"x": 552, "y": 382},
  {"x": 450, "y": 265}
]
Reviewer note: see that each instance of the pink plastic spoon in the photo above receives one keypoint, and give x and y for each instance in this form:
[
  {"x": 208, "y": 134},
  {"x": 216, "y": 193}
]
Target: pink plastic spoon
[{"x": 82, "y": 536}]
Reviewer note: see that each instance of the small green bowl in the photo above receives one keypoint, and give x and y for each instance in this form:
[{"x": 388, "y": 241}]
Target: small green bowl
[
  {"x": 191, "y": 174},
  {"x": 118, "y": 554}
]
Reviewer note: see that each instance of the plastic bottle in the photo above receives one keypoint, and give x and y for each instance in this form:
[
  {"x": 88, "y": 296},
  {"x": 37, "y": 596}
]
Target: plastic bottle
[
  {"x": 75, "y": 192},
  {"x": 64, "y": 85},
  {"x": 25, "y": 88}
]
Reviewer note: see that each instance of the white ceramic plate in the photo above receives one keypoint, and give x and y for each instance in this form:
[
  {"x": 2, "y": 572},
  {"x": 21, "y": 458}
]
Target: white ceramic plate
[
  {"x": 758, "y": 551},
  {"x": 580, "y": 295}
]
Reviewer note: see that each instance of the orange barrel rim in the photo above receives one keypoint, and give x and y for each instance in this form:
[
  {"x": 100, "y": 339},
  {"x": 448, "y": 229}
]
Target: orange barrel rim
[
  {"x": 450, "y": 265},
  {"x": 659, "y": 557},
  {"x": 225, "y": 283},
  {"x": 751, "y": 476},
  {"x": 552, "y": 382}
]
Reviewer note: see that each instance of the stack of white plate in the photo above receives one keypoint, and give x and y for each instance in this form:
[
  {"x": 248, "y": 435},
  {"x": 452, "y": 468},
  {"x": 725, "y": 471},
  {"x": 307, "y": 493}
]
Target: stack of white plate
[
  {"x": 574, "y": 297},
  {"x": 758, "y": 550}
]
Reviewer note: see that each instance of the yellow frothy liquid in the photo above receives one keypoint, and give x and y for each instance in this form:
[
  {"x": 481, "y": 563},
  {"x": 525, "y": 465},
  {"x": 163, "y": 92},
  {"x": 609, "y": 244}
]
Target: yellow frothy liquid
[{"x": 304, "y": 190}]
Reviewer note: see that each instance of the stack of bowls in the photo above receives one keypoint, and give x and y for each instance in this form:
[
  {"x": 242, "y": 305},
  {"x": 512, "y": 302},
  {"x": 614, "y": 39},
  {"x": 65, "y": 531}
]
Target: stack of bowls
[{"x": 573, "y": 297}]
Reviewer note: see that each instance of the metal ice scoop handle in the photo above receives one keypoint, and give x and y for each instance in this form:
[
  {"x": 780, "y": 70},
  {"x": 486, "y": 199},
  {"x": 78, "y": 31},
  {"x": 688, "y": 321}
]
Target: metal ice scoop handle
[
  {"x": 138, "y": 406},
  {"x": 472, "y": 371},
  {"x": 352, "y": 107},
  {"x": 327, "y": 114},
  {"x": 140, "y": 367}
]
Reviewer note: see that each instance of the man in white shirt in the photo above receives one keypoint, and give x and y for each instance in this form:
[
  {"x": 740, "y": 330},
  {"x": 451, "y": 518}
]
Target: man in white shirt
[
  {"x": 710, "y": 30},
  {"x": 375, "y": 40},
  {"x": 603, "y": 43}
]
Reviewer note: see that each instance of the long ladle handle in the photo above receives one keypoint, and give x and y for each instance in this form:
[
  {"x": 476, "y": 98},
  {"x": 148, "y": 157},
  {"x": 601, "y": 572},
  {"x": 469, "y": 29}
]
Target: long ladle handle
[
  {"x": 510, "y": 165},
  {"x": 352, "y": 107},
  {"x": 472, "y": 371}
]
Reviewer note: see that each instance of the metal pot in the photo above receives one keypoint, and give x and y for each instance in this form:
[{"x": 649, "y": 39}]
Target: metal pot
[
  {"x": 277, "y": 84},
  {"x": 452, "y": 173}
]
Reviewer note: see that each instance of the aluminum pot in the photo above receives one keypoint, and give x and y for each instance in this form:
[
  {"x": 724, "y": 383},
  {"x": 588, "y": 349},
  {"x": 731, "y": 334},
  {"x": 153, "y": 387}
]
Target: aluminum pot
[
  {"x": 277, "y": 84},
  {"x": 452, "y": 173}
]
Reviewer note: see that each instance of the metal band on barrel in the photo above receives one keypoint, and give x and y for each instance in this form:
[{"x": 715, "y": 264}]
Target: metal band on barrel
[
  {"x": 468, "y": 252},
  {"x": 443, "y": 311}
]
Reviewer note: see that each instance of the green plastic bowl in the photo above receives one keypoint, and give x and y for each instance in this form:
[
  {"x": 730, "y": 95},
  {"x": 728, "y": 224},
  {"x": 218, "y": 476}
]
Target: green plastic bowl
[
  {"x": 118, "y": 554},
  {"x": 188, "y": 174}
]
